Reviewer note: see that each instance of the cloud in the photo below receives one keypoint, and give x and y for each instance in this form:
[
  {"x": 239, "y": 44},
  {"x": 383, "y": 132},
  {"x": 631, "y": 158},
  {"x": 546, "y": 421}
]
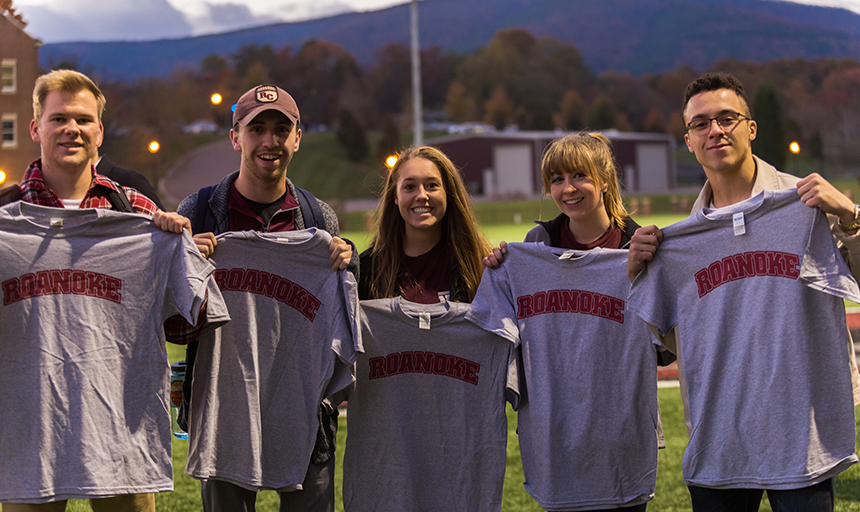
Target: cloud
[
  {"x": 100, "y": 20},
  {"x": 226, "y": 17}
]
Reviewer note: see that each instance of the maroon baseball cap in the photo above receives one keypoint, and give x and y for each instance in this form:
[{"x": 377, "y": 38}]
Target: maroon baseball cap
[{"x": 262, "y": 98}]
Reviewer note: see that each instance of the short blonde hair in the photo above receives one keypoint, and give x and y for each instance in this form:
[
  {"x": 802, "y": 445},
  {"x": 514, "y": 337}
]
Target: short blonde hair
[
  {"x": 65, "y": 80},
  {"x": 591, "y": 154}
]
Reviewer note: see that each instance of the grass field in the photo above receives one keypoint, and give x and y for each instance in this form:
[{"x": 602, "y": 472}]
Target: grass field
[
  {"x": 515, "y": 232},
  {"x": 671, "y": 494}
]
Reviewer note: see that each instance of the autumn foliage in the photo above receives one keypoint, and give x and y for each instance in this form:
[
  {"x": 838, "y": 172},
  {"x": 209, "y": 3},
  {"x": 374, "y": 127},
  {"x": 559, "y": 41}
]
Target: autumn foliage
[{"x": 534, "y": 83}]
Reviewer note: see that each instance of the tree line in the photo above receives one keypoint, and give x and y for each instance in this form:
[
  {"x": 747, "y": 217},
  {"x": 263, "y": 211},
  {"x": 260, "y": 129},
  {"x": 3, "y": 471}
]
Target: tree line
[{"x": 515, "y": 79}]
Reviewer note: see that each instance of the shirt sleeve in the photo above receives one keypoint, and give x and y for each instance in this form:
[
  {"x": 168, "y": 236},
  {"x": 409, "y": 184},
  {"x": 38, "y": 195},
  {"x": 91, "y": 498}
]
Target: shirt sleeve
[
  {"x": 823, "y": 267},
  {"x": 346, "y": 341},
  {"x": 493, "y": 307},
  {"x": 651, "y": 299},
  {"x": 188, "y": 281}
]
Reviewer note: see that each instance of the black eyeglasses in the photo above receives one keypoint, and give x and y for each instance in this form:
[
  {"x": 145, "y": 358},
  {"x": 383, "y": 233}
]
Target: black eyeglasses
[{"x": 726, "y": 121}]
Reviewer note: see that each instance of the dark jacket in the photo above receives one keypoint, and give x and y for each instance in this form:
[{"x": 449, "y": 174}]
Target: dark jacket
[
  {"x": 549, "y": 232},
  {"x": 128, "y": 178}
]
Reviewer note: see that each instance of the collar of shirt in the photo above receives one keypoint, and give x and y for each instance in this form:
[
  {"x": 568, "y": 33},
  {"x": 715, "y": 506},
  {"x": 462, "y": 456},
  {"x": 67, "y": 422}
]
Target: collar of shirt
[
  {"x": 35, "y": 191},
  {"x": 242, "y": 218}
]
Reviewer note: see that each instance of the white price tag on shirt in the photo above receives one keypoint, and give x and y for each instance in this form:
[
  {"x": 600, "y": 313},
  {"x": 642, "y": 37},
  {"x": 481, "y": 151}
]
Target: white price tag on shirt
[
  {"x": 424, "y": 321},
  {"x": 738, "y": 223}
]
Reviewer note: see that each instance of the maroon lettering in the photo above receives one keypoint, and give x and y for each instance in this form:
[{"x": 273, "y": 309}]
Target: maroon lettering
[
  {"x": 524, "y": 307},
  {"x": 434, "y": 363},
  {"x": 571, "y": 301},
  {"x": 220, "y": 277},
  {"x": 377, "y": 367},
  {"x": 62, "y": 282},
  {"x": 703, "y": 282},
  {"x": 392, "y": 364},
  {"x": 745, "y": 265},
  {"x": 249, "y": 281},
  {"x": 553, "y": 302},
  {"x": 270, "y": 285},
  {"x": 11, "y": 291},
  {"x": 423, "y": 362}
]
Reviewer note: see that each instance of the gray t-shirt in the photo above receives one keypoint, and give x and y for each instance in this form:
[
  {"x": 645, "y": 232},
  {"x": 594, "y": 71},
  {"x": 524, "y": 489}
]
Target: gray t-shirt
[
  {"x": 588, "y": 416},
  {"x": 762, "y": 341},
  {"x": 426, "y": 422},
  {"x": 258, "y": 381},
  {"x": 83, "y": 368}
]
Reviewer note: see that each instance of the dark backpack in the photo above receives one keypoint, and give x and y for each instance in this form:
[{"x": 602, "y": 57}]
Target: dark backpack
[
  {"x": 118, "y": 200},
  {"x": 204, "y": 221}
]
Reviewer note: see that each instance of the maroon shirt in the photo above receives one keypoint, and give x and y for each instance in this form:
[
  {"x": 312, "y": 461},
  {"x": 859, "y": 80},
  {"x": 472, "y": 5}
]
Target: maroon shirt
[
  {"x": 243, "y": 218},
  {"x": 611, "y": 239},
  {"x": 426, "y": 278}
]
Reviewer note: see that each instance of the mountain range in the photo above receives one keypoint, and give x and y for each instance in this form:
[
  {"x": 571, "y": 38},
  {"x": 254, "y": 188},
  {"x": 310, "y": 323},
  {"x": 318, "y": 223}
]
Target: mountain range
[{"x": 635, "y": 36}]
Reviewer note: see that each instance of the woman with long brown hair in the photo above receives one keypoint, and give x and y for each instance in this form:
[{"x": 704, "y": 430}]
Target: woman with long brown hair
[{"x": 426, "y": 245}]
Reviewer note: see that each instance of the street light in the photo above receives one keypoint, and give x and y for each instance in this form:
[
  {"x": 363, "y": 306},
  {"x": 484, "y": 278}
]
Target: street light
[
  {"x": 154, "y": 146},
  {"x": 390, "y": 161},
  {"x": 216, "y": 99},
  {"x": 2, "y": 176},
  {"x": 794, "y": 147},
  {"x": 417, "y": 112}
]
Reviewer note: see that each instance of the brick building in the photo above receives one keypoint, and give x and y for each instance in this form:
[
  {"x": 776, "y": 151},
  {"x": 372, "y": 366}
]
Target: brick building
[
  {"x": 19, "y": 68},
  {"x": 507, "y": 165}
]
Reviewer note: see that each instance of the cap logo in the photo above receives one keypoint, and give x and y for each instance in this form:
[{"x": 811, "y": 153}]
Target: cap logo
[{"x": 267, "y": 94}]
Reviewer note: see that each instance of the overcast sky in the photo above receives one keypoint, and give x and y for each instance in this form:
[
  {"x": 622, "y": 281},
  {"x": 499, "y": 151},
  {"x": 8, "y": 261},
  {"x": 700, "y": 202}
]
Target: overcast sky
[{"x": 72, "y": 20}]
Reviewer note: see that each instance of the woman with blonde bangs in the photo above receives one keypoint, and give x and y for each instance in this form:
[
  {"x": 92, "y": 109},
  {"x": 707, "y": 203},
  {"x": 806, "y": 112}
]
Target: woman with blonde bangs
[
  {"x": 578, "y": 171},
  {"x": 426, "y": 246},
  {"x": 574, "y": 355}
]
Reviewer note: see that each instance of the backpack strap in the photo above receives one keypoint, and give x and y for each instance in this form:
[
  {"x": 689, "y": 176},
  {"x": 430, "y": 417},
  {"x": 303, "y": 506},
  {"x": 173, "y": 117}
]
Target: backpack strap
[
  {"x": 10, "y": 194},
  {"x": 204, "y": 220},
  {"x": 119, "y": 201},
  {"x": 311, "y": 210}
]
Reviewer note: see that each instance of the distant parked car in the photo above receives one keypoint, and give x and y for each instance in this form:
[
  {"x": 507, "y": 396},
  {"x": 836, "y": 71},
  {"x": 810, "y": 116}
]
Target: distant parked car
[{"x": 200, "y": 126}]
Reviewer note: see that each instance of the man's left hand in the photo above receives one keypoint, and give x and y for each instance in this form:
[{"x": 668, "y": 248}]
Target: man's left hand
[
  {"x": 816, "y": 191},
  {"x": 340, "y": 253},
  {"x": 171, "y": 221}
]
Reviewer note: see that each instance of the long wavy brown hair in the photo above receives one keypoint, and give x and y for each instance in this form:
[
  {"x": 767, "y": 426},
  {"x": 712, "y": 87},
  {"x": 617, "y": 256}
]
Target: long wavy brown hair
[{"x": 466, "y": 246}]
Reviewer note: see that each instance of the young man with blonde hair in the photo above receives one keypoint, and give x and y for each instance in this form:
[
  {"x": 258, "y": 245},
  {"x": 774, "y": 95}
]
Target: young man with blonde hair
[{"x": 67, "y": 107}]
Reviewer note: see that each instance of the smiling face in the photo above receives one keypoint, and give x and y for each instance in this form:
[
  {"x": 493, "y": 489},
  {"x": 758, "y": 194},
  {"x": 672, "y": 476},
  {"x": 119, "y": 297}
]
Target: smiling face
[
  {"x": 68, "y": 132},
  {"x": 720, "y": 150},
  {"x": 580, "y": 198},
  {"x": 421, "y": 197},
  {"x": 267, "y": 144}
]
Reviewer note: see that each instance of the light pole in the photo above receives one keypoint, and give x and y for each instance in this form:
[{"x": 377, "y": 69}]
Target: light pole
[{"x": 417, "y": 114}]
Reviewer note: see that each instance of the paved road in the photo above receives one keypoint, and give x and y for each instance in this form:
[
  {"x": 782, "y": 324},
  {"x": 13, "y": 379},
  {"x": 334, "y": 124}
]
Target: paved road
[{"x": 204, "y": 166}]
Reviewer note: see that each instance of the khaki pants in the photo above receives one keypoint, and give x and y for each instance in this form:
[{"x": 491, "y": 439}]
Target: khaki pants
[{"x": 124, "y": 503}]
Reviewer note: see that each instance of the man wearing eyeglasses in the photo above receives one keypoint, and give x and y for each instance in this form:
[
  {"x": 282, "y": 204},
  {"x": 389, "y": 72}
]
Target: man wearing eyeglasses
[{"x": 720, "y": 131}]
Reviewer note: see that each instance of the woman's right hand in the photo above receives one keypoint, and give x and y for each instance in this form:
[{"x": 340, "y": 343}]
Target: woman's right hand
[{"x": 495, "y": 258}]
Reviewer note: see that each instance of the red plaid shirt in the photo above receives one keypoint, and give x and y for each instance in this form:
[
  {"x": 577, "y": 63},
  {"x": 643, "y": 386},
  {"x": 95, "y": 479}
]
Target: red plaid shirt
[{"x": 35, "y": 191}]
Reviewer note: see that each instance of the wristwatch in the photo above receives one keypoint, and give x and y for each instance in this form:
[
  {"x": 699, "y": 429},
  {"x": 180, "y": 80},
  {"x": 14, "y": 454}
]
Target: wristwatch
[{"x": 854, "y": 224}]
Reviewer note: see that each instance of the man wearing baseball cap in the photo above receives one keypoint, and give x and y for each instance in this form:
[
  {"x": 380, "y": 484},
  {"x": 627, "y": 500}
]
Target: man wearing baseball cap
[{"x": 257, "y": 197}]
